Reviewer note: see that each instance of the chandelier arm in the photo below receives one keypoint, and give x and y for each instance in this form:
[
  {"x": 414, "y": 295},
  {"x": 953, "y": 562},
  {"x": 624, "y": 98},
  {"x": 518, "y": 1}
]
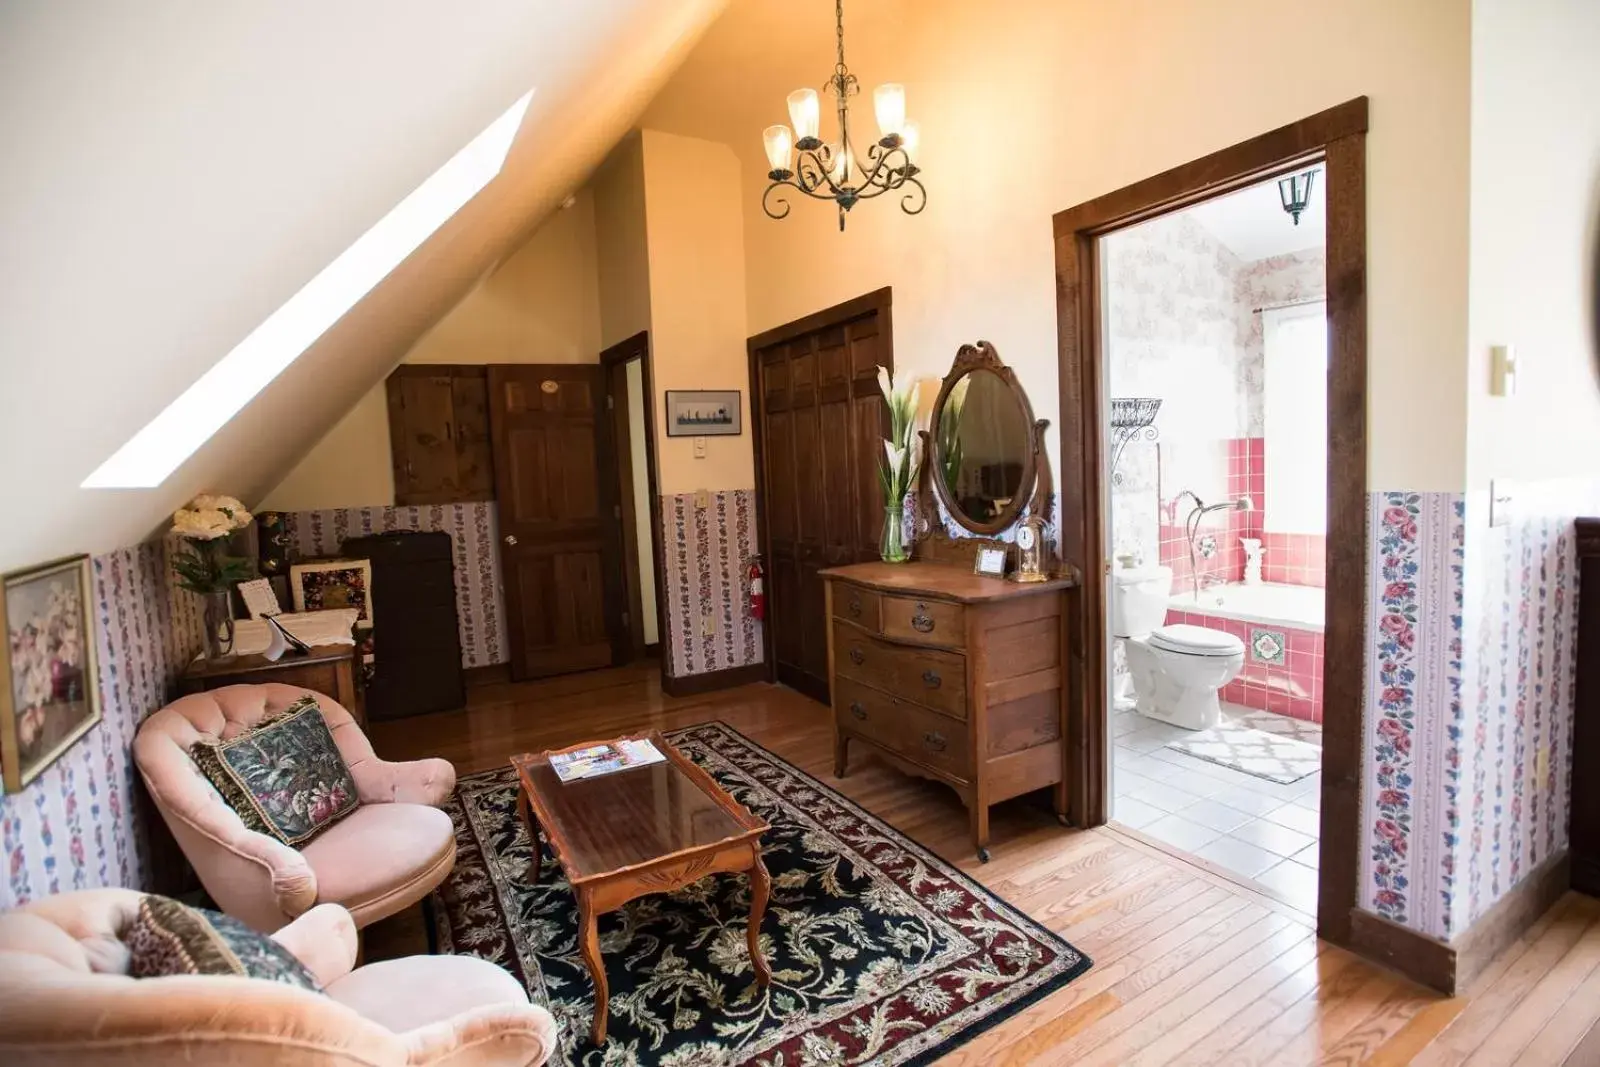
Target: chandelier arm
[
  {"x": 887, "y": 175},
  {"x": 811, "y": 173},
  {"x": 767, "y": 200},
  {"x": 918, "y": 198}
]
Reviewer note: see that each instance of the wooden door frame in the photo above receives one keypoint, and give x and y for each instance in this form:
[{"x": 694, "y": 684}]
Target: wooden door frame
[
  {"x": 1337, "y": 138},
  {"x": 880, "y": 301},
  {"x": 638, "y": 347}
]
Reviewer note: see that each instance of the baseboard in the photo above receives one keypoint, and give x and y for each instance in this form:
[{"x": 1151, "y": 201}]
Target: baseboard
[
  {"x": 1450, "y": 966},
  {"x": 694, "y": 684},
  {"x": 493, "y": 674},
  {"x": 1511, "y": 916}
]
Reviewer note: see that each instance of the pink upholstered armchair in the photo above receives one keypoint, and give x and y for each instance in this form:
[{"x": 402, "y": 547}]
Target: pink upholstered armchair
[
  {"x": 381, "y": 858},
  {"x": 66, "y": 998}
]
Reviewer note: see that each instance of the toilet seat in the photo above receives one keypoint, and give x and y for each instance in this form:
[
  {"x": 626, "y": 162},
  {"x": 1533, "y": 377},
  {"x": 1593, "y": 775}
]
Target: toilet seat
[{"x": 1196, "y": 641}]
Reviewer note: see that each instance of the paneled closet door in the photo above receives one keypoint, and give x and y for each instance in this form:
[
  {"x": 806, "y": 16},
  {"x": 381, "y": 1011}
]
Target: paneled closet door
[{"x": 822, "y": 419}]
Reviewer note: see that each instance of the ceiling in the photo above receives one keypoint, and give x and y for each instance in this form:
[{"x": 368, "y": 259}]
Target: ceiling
[
  {"x": 175, "y": 173},
  {"x": 1253, "y": 224}
]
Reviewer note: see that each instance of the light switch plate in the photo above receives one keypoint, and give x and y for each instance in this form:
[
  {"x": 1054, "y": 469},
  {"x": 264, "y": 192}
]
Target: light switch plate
[
  {"x": 1503, "y": 370},
  {"x": 702, "y": 498},
  {"x": 699, "y": 448},
  {"x": 1502, "y": 498}
]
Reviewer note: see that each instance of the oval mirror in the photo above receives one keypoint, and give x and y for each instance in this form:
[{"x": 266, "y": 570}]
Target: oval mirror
[{"x": 984, "y": 458}]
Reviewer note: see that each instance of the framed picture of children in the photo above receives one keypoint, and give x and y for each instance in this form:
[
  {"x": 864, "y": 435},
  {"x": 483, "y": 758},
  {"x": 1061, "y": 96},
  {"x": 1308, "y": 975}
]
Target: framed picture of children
[
  {"x": 345, "y": 583},
  {"x": 49, "y": 682}
]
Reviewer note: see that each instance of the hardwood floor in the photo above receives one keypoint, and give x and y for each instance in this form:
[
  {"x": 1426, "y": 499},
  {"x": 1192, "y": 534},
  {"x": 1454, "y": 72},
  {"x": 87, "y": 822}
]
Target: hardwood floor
[{"x": 1189, "y": 967}]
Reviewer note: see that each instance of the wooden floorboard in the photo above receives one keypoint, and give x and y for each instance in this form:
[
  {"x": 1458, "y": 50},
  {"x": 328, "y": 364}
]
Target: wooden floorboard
[{"x": 1191, "y": 967}]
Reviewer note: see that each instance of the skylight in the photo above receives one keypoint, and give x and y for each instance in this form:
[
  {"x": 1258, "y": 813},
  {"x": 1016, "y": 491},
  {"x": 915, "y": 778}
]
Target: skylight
[{"x": 189, "y": 421}]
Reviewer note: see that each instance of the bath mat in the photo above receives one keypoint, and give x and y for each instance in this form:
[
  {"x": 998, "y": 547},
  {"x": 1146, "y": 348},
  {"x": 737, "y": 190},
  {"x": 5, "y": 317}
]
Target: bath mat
[
  {"x": 881, "y": 952},
  {"x": 1255, "y": 752}
]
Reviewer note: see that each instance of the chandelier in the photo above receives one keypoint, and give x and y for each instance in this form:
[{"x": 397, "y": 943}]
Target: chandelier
[{"x": 834, "y": 170}]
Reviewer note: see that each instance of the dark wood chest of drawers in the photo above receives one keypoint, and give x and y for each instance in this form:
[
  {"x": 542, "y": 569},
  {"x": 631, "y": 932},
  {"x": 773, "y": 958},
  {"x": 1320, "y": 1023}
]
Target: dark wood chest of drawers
[{"x": 953, "y": 676}]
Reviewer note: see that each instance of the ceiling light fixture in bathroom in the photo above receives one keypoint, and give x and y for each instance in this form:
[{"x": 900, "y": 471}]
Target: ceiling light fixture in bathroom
[
  {"x": 1295, "y": 192},
  {"x": 834, "y": 171}
]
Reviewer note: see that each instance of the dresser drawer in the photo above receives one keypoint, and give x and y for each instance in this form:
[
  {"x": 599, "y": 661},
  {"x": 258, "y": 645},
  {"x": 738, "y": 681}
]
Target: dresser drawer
[
  {"x": 858, "y": 605},
  {"x": 918, "y": 734},
  {"x": 924, "y": 676},
  {"x": 925, "y": 622}
]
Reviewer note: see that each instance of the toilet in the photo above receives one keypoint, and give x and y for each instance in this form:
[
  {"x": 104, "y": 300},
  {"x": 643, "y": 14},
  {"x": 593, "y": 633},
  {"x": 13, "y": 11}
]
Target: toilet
[{"x": 1176, "y": 670}]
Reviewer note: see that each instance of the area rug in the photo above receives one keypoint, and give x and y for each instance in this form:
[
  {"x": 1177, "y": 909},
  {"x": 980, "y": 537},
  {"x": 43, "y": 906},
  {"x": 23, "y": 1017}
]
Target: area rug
[
  {"x": 881, "y": 952},
  {"x": 1240, "y": 744}
]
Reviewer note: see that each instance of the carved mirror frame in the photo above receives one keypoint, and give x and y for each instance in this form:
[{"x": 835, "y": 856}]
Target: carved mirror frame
[{"x": 1034, "y": 489}]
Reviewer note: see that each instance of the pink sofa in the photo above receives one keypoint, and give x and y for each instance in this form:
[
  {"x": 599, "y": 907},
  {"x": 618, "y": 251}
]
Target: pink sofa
[
  {"x": 66, "y": 998},
  {"x": 381, "y": 858}
]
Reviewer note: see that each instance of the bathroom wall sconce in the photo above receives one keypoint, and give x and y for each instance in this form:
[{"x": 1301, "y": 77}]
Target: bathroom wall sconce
[
  {"x": 1295, "y": 192},
  {"x": 1131, "y": 417}
]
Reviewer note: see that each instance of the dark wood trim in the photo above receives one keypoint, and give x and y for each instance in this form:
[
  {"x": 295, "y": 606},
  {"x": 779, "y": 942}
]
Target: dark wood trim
[
  {"x": 971, "y": 359},
  {"x": 877, "y": 300},
  {"x": 437, "y": 370},
  {"x": 880, "y": 301},
  {"x": 1419, "y": 957},
  {"x": 690, "y": 685},
  {"x": 1585, "y": 836},
  {"x": 1245, "y": 163},
  {"x": 1336, "y": 137},
  {"x": 638, "y": 347},
  {"x": 491, "y": 674}
]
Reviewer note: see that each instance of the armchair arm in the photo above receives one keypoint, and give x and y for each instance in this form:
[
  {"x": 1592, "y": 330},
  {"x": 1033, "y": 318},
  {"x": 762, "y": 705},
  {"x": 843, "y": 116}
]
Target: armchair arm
[
  {"x": 324, "y": 939},
  {"x": 423, "y": 781},
  {"x": 523, "y": 1034}
]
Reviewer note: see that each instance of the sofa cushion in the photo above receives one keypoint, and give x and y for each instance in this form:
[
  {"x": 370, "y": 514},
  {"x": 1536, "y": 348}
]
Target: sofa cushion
[
  {"x": 416, "y": 991},
  {"x": 285, "y": 777},
  {"x": 168, "y": 938},
  {"x": 380, "y": 852}
]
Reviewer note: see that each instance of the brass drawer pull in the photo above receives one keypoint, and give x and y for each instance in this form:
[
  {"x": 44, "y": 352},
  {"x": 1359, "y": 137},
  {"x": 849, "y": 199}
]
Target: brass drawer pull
[
  {"x": 857, "y": 710},
  {"x": 857, "y": 656},
  {"x": 922, "y": 622},
  {"x": 855, "y": 605},
  {"x": 931, "y": 679},
  {"x": 934, "y": 741}
]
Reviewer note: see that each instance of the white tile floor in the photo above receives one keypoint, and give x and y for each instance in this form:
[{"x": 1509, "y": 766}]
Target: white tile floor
[{"x": 1248, "y": 825}]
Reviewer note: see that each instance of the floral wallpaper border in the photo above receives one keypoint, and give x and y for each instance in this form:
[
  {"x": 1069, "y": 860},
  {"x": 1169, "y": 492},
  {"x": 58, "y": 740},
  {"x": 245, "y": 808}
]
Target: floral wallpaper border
[{"x": 707, "y": 556}]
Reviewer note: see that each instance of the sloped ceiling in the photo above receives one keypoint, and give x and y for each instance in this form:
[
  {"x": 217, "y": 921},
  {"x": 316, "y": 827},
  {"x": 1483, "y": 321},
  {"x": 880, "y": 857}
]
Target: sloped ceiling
[{"x": 175, "y": 171}]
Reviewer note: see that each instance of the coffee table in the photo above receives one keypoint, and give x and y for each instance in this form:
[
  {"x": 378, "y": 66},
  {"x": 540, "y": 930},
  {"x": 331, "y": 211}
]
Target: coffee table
[{"x": 644, "y": 830}]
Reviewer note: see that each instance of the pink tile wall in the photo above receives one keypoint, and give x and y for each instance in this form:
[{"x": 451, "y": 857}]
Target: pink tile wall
[
  {"x": 1292, "y": 688},
  {"x": 1295, "y": 559}
]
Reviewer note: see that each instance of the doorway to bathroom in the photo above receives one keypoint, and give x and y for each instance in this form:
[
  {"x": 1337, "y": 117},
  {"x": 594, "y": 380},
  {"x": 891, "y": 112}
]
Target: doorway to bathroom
[
  {"x": 1238, "y": 738},
  {"x": 1215, "y": 343}
]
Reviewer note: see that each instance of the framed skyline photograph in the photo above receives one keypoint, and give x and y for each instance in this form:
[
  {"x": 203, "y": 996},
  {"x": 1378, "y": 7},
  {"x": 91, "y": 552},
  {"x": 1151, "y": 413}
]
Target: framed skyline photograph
[
  {"x": 345, "y": 583},
  {"x": 49, "y": 680},
  {"x": 703, "y": 413}
]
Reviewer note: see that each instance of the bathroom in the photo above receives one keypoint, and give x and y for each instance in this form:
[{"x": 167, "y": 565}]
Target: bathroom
[{"x": 1216, "y": 340}]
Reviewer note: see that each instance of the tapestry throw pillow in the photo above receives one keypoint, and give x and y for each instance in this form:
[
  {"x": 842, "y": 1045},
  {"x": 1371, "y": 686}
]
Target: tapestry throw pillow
[
  {"x": 169, "y": 937},
  {"x": 285, "y": 776}
]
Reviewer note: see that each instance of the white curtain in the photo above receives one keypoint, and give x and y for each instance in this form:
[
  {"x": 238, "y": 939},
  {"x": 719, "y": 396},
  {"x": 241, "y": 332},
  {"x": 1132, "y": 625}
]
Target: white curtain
[{"x": 1295, "y": 418}]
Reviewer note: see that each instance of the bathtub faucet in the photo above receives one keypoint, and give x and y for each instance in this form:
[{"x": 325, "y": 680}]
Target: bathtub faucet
[{"x": 1191, "y": 527}]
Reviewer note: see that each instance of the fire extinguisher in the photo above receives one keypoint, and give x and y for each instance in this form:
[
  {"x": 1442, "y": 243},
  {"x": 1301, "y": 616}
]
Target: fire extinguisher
[{"x": 758, "y": 591}]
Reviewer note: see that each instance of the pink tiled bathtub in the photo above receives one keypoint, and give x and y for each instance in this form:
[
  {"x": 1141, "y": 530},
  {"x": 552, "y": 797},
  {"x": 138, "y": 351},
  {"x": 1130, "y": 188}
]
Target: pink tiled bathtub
[{"x": 1281, "y": 627}]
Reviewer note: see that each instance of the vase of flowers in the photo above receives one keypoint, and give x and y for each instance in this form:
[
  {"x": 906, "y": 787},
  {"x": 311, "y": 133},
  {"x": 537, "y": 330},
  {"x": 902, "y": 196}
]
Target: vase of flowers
[
  {"x": 203, "y": 565},
  {"x": 902, "y": 458}
]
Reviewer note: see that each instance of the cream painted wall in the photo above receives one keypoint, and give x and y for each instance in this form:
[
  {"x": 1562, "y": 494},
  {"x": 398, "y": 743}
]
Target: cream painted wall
[
  {"x": 695, "y": 238},
  {"x": 542, "y": 305},
  {"x": 1535, "y": 238},
  {"x": 1032, "y": 106},
  {"x": 622, "y": 256}
]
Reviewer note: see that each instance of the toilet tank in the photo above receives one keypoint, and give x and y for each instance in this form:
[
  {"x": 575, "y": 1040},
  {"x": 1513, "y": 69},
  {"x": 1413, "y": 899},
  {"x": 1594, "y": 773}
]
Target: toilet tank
[{"x": 1139, "y": 599}]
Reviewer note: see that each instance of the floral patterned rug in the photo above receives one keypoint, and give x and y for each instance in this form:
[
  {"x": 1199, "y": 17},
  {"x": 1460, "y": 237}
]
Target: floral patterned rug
[{"x": 881, "y": 952}]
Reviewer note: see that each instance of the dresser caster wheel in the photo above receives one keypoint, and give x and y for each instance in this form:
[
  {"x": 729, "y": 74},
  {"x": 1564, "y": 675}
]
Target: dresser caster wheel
[{"x": 983, "y": 855}]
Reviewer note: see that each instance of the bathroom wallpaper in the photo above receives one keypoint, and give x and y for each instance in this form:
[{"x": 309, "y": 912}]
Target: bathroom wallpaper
[
  {"x": 1469, "y": 710},
  {"x": 474, "y": 531},
  {"x": 708, "y": 554},
  {"x": 75, "y": 826}
]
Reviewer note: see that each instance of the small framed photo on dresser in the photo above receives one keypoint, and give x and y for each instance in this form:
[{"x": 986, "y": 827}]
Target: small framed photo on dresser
[{"x": 990, "y": 562}]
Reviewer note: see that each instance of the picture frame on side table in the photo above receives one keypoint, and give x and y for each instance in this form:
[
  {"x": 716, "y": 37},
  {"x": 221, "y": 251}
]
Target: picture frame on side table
[
  {"x": 49, "y": 671},
  {"x": 704, "y": 413},
  {"x": 345, "y": 583}
]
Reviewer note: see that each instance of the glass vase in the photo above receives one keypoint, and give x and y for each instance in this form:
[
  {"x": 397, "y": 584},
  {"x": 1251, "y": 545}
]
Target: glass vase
[
  {"x": 219, "y": 624},
  {"x": 892, "y": 546}
]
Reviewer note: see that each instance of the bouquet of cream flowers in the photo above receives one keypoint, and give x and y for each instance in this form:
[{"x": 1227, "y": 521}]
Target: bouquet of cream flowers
[
  {"x": 902, "y": 451},
  {"x": 204, "y": 566}
]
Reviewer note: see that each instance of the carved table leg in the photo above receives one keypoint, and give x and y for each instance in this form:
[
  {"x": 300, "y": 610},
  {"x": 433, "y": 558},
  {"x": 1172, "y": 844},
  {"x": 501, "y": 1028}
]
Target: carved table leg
[
  {"x": 589, "y": 945},
  {"x": 760, "y": 886},
  {"x": 525, "y": 809}
]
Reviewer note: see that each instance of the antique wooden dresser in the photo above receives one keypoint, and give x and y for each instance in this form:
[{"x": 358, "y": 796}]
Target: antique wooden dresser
[{"x": 951, "y": 675}]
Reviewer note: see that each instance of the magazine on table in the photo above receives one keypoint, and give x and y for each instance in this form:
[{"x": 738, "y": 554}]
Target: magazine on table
[{"x": 596, "y": 760}]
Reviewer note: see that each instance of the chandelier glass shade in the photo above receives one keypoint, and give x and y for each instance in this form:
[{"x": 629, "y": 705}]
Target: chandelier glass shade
[{"x": 836, "y": 170}]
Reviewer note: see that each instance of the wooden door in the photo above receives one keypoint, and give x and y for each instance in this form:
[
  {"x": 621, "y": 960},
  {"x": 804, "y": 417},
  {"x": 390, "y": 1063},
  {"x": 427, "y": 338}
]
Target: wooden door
[
  {"x": 821, "y": 420},
  {"x": 439, "y": 434},
  {"x": 555, "y": 481}
]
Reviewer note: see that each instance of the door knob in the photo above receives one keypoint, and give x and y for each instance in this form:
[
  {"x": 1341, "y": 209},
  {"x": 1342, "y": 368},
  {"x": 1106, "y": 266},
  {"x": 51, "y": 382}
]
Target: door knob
[{"x": 511, "y": 539}]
